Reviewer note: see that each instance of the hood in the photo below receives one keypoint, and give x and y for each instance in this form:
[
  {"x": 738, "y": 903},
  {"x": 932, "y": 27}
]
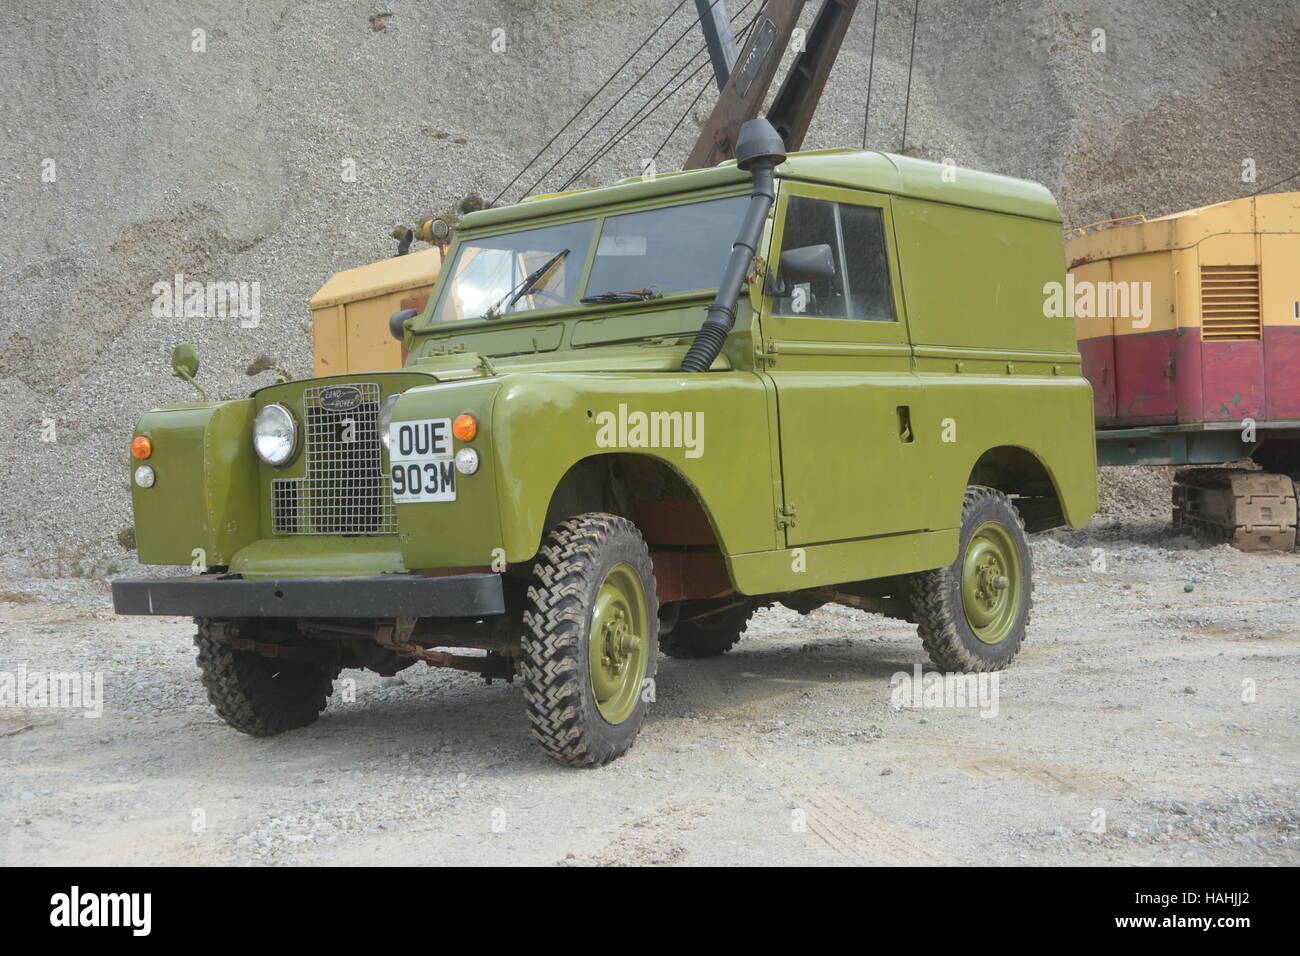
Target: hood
[{"x": 654, "y": 355}]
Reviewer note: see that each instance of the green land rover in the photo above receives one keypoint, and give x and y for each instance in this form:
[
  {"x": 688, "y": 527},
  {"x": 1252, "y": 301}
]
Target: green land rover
[{"x": 578, "y": 467}]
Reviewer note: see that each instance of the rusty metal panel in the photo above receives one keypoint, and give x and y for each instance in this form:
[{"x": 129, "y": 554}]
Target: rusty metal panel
[
  {"x": 796, "y": 101},
  {"x": 742, "y": 97}
]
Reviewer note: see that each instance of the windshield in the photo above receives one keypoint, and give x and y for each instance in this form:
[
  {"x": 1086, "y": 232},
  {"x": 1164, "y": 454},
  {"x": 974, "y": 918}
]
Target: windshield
[
  {"x": 659, "y": 251},
  {"x": 490, "y": 274}
]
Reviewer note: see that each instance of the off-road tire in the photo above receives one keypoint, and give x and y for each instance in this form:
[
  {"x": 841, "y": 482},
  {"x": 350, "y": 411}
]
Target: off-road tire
[
  {"x": 261, "y": 696},
  {"x": 936, "y": 596},
  {"x": 707, "y": 636},
  {"x": 566, "y": 577}
]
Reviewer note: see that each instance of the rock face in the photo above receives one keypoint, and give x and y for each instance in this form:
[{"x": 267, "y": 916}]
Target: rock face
[{"x": 281, "y": 143}]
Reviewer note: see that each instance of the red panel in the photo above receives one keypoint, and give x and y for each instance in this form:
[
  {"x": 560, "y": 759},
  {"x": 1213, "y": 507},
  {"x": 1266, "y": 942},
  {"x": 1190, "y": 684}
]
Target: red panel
[
  {"x": 1282, "y": 370},
  {"x": 1187, "y": 375},
  {"x": 690, "y": 575},
  {"x": 676, "y": 522},
  {"x": 1099, "y": 369},
  {"x": 1234, "y": 380},
  {"x": 1144, "y": 378},
  {"x": 1158, "y": 378}
]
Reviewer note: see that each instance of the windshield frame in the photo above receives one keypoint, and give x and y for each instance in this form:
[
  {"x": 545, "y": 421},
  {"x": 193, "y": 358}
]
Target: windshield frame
[{"x": 596, "y": 214}]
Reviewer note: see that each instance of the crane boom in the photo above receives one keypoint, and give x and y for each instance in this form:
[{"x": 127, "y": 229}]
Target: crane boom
[{"x": 745, "y": 86}]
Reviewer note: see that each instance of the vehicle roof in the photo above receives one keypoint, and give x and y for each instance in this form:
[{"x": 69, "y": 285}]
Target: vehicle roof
[
  {"x": 1270, "y": 212},
  {"x": 851, "y": 168}
]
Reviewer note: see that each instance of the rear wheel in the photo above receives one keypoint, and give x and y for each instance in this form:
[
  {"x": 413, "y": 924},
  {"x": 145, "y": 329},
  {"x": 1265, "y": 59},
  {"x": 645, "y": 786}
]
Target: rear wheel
[
  {"x": 700, "y": 633},
  {"x": 257, "y": 695},
  {"x": 590, "y": 639},
  {"x": 972, "y": 615}
]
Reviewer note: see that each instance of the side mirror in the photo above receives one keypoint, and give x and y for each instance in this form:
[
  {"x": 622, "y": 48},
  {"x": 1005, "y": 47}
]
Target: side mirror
[
  {"x": 397, "y": 322},
  {"x": 804, "y": 264},
  {"x": 185, "y": 365},
  {"x": 185, "y": 361}
]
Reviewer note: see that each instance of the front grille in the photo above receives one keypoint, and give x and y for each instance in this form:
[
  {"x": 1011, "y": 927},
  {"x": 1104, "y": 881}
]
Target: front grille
[
  {"x": 1229, "y": 303},
  {"x": 345, "y": 489}
]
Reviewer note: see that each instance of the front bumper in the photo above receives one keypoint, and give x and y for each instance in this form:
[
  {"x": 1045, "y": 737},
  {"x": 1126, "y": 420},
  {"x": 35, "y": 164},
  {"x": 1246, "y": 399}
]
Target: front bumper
[{"x": 385, "y": 595}]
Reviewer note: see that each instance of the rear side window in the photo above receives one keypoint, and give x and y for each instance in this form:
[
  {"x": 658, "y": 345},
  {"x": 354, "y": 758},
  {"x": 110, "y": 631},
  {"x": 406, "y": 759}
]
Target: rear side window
[{"x": 856, "y": 235}]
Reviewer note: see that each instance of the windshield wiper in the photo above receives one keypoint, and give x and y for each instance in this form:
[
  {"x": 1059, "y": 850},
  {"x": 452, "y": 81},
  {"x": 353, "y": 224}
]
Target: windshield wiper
[
  {"x": 629, "y": 295},
  {"x": 521, "y": 290}
]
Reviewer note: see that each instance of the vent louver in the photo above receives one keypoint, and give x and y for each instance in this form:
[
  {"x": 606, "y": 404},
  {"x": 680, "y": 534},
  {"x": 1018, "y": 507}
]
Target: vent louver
[{"x": 1229, "y": 303}]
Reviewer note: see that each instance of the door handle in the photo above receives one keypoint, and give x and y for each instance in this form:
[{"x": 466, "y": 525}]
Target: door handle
[{"x": 905, "y": 424}]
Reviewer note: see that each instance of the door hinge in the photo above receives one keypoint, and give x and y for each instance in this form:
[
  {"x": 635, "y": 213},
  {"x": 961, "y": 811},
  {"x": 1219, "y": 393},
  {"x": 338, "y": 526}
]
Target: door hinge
[{"x": 786, "y": 516}]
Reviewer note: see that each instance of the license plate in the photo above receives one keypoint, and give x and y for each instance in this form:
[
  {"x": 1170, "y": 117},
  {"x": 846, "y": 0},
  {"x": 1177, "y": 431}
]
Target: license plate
[{"x": 420, "y": 456}]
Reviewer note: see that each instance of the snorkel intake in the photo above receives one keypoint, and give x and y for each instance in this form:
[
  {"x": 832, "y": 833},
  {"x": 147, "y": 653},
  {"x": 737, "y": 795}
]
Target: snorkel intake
[{"x": 759, "y": 150}]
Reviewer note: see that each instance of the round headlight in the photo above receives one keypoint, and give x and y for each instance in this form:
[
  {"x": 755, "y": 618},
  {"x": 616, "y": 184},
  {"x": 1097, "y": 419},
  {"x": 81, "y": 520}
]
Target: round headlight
[
  {"x": 467, "y": 461},
  {"x": 275, "y": 434},
  {"x": 144, "y": 476},
  {"x": 386, "y": 417}
]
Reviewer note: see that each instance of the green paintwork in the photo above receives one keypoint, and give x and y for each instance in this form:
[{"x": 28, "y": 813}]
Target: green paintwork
[
  {"x": 618, "y": 642},
  {"x": 206, "y": 494},
  {"x": 833, "y": 451},
  {"x": 858, "y": 169},
  {"x": 992, "y": 582}
]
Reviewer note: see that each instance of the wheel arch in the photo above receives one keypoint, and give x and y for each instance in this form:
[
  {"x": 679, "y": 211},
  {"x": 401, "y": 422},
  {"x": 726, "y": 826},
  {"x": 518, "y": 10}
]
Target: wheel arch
[
  {"x": 625, "y": 483},
  {"x": 1027, "y": 479},
  {"x": 669, "y": 511}
]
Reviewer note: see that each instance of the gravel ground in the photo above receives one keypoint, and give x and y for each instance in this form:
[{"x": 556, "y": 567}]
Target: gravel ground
[{"x": 1126, "y": 713}]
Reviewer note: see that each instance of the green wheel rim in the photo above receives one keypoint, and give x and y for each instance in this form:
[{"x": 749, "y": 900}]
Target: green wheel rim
[
  {"x": 618, "y": 643},
  {"x": 991, "y": 582}
]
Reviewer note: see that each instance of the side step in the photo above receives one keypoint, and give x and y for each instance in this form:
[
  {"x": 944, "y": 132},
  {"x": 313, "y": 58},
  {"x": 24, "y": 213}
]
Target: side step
[{"x": 1252, "y": 510}]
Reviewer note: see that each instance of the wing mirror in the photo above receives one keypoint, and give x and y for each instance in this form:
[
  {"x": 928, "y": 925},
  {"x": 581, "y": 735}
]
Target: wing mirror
[
  {"x": 185, "y": 365},
  {"x": 397, "y": 322},
  {"x": 804, "y": 264}
]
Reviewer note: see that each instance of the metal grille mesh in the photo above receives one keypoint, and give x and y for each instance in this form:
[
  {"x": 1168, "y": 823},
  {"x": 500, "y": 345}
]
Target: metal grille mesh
[{"x": 345, "y": 490}]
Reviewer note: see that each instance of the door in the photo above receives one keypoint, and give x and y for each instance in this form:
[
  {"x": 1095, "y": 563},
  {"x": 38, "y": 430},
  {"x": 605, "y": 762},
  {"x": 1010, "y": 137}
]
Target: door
[
  {"x": 842, "y": 367},
  {"x": 1096, "y": 336}
]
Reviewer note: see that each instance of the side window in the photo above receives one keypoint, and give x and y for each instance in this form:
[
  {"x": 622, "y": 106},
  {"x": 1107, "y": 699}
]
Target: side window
[
  {"x": 856, "y": 235},
  {"x": 870, "y": 297}
]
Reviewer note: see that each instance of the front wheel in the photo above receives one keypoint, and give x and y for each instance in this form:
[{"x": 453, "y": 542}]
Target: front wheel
[
  {"x": 590, "y": 639},
  {"x": 972, "y": 615}
]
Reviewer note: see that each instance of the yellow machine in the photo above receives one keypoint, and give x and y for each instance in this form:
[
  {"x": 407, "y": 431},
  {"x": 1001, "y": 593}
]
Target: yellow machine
[
  {"x": 1189, "y": 328},
  {"x": 349, "y": 315},
  {"x": 1192, "y": 317}
]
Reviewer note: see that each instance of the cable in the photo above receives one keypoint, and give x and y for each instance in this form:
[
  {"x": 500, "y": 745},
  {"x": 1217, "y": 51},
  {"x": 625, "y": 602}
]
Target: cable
[
  {"x": 1295, "y": 175},
  {"x": 681, "y": 119},
  {"x": 590, "y": 99},
  {"x": 871, "y": 72},
  {"x": 620, "y": 99},
  {"x": 910, "y": 57},
  {"x": 628, "y": 124},
  {"x": 644, "y": 111}
]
